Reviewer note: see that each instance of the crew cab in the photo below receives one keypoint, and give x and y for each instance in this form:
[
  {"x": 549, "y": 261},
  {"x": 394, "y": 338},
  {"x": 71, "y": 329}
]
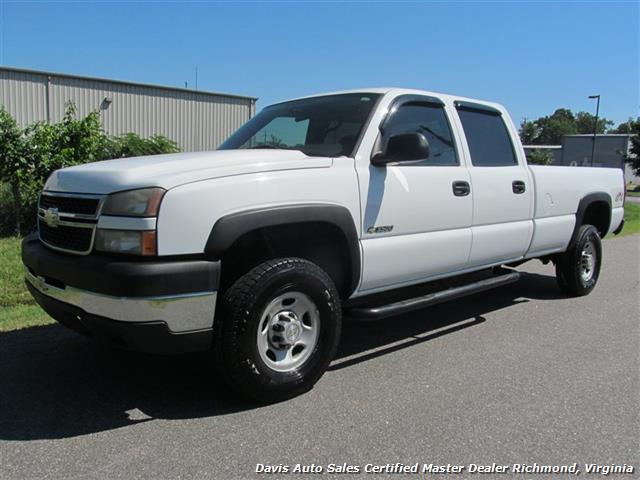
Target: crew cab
[{"x": 375, "y": 201}]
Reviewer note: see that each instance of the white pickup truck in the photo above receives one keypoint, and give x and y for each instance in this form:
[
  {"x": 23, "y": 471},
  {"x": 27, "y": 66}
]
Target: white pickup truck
[{"x": 316, "y": 205}]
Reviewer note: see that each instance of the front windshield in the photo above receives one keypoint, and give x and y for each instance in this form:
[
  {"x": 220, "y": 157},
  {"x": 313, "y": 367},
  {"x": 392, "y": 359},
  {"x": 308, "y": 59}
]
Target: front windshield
[{"x": 327, "y": 126}]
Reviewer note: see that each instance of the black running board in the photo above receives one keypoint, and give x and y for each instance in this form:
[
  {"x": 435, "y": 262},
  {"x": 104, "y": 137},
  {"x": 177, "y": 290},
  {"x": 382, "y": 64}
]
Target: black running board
[{"x": 404, "y": 306}]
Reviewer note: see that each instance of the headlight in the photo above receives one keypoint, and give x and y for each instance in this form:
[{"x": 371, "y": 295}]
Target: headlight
[
  {"x": 126, "y": 241},
  {"x": 144, "y": 202}
]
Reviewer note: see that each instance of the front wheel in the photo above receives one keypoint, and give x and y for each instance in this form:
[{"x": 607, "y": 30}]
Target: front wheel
[
  {"x": 278, "y": 329},
  {"x": 578, "y": 269}
]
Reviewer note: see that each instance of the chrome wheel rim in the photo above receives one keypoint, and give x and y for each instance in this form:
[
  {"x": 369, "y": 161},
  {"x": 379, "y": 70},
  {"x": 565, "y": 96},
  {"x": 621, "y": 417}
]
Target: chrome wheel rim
[
  {"x": 588, "y": 259},
  {"x": 288, "y": 331}
]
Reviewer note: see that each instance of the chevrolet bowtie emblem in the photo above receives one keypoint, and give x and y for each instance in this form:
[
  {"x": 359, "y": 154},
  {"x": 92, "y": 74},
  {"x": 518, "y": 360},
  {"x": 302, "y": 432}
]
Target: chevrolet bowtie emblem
[{"x": 51, "y": 217}]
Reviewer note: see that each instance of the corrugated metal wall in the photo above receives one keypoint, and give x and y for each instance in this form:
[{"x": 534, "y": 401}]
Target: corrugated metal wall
[
  {"x": 195, "y": 120},
  {"x": 24, "y": 95},
  {"x": 609, "y": 152}
]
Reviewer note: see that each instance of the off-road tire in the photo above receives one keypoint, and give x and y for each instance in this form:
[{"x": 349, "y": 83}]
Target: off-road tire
[
  {"x": 239, "y": 317},
  {"x": 569, "y": 265}
]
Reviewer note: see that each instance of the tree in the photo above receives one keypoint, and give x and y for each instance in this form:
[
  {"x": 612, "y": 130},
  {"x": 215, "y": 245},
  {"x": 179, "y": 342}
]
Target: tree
[
  {"x": 585, "y": 122},
  {"x": 529, "y": 132},
  {"x": 633, "y": 159},
  {"x": 630, "y": 126},
  {"x": 550, "y": 129}
]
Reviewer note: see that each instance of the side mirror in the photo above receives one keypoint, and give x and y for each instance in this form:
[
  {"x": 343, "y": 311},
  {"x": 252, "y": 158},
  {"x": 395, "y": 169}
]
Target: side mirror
[{"x": 405, "y": 147}]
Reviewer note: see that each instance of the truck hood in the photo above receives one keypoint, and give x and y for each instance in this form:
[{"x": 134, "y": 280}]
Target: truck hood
[{"x": 168, "y": 171}]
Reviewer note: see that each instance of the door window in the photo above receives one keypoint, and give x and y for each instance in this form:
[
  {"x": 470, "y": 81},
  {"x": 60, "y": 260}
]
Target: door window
[
  {"x": 488, "y": 138},
  {"x": 429, "y": 120}
]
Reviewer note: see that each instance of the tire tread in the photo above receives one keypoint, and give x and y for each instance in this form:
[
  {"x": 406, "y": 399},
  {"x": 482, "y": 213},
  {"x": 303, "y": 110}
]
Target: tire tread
[
  {"x": 566, "y": 264},
  {"x": 233, "y": 322}
]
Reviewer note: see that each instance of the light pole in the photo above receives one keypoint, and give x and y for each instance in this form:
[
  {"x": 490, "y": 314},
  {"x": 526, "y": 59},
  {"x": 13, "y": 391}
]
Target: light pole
[{"x": 595, "y": 127}]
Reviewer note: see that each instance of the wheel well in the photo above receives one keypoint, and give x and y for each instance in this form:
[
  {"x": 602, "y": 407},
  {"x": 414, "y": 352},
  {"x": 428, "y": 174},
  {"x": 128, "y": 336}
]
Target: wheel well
[
  {"x": 598, "y": 214},
  {"x": 319, "y": 242}
]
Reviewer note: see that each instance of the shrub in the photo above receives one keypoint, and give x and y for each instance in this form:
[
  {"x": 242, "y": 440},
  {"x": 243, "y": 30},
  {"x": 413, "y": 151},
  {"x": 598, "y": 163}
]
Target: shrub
[
  {"x": 28, "y": 156},
  {"x": 132, "y": 145},
  {"x": 540, "y": 157},
  {"x": 13, "y": 165}
]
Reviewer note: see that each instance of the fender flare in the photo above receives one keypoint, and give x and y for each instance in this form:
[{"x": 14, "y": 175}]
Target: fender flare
[
  {"x": 229, "y": 228},
  {"x": 582, "y": 208}
]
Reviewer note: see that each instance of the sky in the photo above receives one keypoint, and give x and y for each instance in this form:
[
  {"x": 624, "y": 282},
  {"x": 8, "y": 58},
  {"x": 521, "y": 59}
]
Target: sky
[{"x": 532, "y": 57}]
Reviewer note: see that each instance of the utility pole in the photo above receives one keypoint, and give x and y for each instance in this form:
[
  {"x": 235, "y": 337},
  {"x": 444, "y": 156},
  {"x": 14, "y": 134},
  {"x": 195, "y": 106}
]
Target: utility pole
[{"x": 595, "y": 126}]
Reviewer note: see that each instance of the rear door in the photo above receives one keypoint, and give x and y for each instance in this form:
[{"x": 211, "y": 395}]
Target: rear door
[{"x": 501, "y": 184}]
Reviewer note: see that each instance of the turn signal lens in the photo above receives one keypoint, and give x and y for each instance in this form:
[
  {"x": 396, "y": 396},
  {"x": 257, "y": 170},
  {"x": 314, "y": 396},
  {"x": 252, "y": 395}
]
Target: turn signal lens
[{"x": 149, "y": 243}]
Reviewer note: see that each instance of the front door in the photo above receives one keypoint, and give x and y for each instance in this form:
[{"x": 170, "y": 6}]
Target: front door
[{"x": 416, "y": 217}]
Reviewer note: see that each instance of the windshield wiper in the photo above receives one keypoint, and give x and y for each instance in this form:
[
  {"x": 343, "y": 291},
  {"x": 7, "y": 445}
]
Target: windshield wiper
[
  {"x": 272, "y": 146},
  {"x": 262, "y": 145}
]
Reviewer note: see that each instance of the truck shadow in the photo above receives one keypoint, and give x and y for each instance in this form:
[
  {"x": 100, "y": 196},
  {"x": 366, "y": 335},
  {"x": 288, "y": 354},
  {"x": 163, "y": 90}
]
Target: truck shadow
[
  {"x": 57, "y": 384},
  {"x": 395, "y": 333}
]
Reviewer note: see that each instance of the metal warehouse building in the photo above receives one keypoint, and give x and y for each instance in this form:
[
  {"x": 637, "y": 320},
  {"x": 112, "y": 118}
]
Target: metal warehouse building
[{"x": 196, "y": 120}]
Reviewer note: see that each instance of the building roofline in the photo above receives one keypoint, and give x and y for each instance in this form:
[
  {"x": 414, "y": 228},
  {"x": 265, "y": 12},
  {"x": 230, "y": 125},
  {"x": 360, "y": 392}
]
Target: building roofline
[
  {"x": 600, "y": 135},
  {"x": 123, "y": 82}
]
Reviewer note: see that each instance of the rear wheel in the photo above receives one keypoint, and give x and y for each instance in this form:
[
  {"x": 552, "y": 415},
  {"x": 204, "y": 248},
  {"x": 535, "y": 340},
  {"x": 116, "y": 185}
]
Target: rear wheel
[
  {"x": 578, "y": 269},
  {"x": 278, "y": 329}
]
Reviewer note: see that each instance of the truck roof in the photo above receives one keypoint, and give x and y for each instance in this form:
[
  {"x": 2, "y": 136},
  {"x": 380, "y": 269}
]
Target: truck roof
[{"x": 402, "y": 91}]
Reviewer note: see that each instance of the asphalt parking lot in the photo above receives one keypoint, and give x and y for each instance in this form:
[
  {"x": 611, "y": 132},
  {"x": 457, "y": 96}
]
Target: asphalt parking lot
[{"x": 518, "y": 374}]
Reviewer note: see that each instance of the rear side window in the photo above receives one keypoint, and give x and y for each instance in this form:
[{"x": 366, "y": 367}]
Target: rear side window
[{"x": 488, "y": 138}]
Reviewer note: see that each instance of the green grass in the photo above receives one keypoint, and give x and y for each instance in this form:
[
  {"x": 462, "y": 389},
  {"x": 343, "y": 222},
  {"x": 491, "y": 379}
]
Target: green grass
[
  {"x": 22, "y": 316},
  {"x": 631, "y": 219},
  {"x": 633, "y": 194},
  {"x": 17, "y": 308},
  {"x": 11, "y": 277}
]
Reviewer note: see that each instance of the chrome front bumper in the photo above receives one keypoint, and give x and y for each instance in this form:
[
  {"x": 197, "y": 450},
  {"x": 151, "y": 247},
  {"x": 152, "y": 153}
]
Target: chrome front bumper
[{"x": 182, "y": 313}]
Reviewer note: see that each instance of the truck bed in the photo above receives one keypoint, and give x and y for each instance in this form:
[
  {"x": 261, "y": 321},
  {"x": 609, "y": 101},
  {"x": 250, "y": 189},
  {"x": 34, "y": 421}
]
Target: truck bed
[{"x": 558, "y": 192}]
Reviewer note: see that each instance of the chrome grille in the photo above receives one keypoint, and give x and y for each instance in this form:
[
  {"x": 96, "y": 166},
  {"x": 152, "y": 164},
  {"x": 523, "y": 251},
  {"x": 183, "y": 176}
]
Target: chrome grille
[{"x": 67, "y": 222}]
